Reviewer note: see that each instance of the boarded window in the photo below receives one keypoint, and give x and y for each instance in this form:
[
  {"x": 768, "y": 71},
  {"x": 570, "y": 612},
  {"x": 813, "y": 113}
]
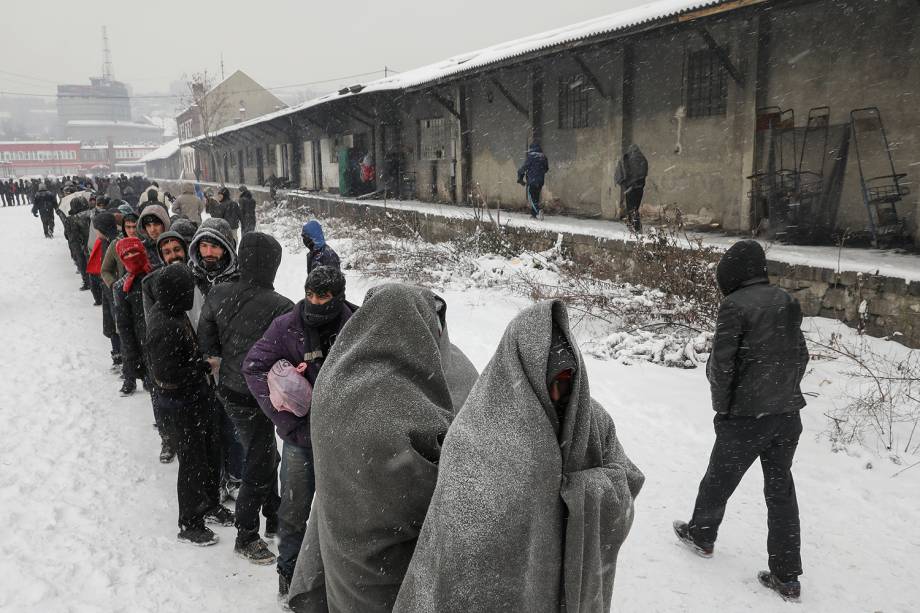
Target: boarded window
[
  {"x": 707, "y": 84},
  {"x": 434, "y": 138},
  {"x": 574, "y": 102}
]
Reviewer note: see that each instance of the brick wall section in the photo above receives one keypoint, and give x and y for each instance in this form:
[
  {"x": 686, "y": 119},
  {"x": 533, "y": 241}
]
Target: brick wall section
[{"x": 892, "y": 304}]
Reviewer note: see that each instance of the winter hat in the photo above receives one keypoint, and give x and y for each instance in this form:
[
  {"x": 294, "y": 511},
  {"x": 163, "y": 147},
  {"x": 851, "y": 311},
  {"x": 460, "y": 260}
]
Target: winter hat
[
  {"x": 259, "y": 258},
  {"x": 325, "y": 279},
  {"x": 105, "y": 223},
  {"x": 175, "y": 288},
  {"x": 125, "y": 209},
  {"x": 172, "y": 235},
  {"x": 127, "y": 217},
  {"x": 225, "y": 193},
  {"x": 743, "y": 262},
  {"x": 186, "y": 228},
  {"x": 132, "y": 254}
]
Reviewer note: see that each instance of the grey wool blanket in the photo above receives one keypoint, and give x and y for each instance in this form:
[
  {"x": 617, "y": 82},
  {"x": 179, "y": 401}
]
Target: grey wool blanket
[
  {"x": 532, "y": 503},
  {"x": 382, "y": 405}
]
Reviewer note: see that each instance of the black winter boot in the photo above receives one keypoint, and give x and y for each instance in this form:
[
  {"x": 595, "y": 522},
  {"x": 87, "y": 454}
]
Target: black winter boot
[
  {"x": 202, "y": 537},
  {"x": 128, "y": 387},
  {"x": 284, "y": 586},
  {"x": 788, "y": 590}
]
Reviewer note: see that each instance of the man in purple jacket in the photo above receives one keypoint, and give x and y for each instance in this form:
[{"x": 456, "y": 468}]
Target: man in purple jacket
[{"x": 305, "y": 334}]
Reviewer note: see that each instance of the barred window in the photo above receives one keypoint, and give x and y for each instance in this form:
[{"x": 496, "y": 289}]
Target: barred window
[
  {"x": 707, "y": 84},
  {"x": 574, "y": 102},
  {"x": 434, "y": 138}
]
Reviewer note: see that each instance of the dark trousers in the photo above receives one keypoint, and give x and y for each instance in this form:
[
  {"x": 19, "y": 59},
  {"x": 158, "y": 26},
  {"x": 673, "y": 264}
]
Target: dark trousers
[
  {"x": 298, "y": 484},
  {"x": 47, "y": 218},
  {"x": 533, "y": 197},
  {"x": 231, "y": 452},
  {"x": 198, "y": 485},
  {"x": 633, "y": 202},
  {"x": 740, "y": 441},
  {"x": 95, "y": 287},
  {"x": 162, "y": 418},
  {"x": 259, "y": 487}
]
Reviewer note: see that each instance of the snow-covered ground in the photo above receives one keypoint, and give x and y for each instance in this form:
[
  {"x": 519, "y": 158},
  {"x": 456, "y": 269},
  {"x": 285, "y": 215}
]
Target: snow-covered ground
[{"x": 89, "y": 514}]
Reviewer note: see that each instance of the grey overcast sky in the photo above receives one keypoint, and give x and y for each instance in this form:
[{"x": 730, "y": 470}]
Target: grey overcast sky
[{"x": 277, "y": 42}]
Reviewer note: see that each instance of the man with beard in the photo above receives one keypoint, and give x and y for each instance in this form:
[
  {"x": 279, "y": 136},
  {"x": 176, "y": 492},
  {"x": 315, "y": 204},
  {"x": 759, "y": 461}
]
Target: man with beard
[
  {"x": 304, "y": 335},
  {"x": 213, "y": 260},
  {"x": 233, "y": 318}
]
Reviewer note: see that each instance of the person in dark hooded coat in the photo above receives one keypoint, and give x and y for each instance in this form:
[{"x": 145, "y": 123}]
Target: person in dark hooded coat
[
  {"x": 153, "y": 221},
  {"x": 533, "y": 174},
  {"x": 178, "y": 372},
  {"x": 247, "y": 210},
  {"x": 76, "y": 234},
  {"x": 319, "y": 253},
  {"x": 129, "y": 310},
  {"x": 44, "y": 205},
  {"x": 381, "y": 407},
  {"x": 535, "y": 493},
  {"x": 758, "y": 359},
  {"x": 106, "y": 228},
  {"x": 234, "y": 317},
  {"x": 630, "y": 174}
]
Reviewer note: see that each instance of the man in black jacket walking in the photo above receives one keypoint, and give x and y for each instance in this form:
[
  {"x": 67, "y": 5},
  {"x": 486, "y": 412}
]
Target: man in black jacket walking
[
  {"x": 758, "y": 359},
  {"x": 247, "y": 210},
  {"x": 44, "y": 206},
  {"x": 233, "y": 318}
]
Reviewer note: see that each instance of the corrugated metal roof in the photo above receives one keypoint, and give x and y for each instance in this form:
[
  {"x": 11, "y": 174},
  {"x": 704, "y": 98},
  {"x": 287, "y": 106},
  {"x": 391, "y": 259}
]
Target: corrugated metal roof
[{"x": 466, "y": 62}]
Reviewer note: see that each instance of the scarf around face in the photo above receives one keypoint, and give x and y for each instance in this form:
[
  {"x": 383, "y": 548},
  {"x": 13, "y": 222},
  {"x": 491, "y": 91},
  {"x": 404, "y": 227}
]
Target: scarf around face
[{"x": 132, "y": 254}]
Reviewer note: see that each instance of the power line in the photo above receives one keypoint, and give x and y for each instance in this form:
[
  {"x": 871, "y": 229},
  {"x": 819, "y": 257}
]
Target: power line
[{"x": 177, "y": 96}]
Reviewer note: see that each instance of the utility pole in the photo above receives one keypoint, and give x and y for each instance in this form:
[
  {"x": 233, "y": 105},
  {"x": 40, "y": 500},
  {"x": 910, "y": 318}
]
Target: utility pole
[
  {"x": 222, "y": 66},
  {"x": 107, "y": 72}
]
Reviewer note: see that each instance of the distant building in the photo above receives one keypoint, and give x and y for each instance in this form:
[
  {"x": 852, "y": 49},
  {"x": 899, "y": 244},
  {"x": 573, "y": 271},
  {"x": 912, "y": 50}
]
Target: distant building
[
  {"x": 67, "y": 157},
  {"x": 101, "y": 113},
  {"x": 235, "y": 99}
]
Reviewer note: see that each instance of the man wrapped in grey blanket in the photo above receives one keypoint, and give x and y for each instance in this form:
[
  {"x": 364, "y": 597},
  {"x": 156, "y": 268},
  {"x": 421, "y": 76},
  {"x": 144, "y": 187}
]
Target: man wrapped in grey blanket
[
  {"x": 381, "y": 407},
  {"x": 534, "y": 495}
]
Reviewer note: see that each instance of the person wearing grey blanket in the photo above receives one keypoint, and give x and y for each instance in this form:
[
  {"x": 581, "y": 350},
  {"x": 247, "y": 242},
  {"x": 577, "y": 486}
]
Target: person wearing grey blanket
[
  {"x": 382, "y": 405},
  {"x": 535, "y": 493}
]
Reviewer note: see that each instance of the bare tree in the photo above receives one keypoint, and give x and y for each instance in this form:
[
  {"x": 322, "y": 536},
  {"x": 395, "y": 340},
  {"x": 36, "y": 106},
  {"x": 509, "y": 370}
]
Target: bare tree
[{"x": 210, "y": 108}]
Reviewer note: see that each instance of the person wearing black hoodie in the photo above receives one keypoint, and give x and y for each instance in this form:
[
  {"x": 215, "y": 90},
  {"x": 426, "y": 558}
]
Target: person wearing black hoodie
[
  {"x": 758, "y": 359},
  {"x": 178, "y": 372},
  {"x": 247, "y": 210},
  {"x": 106, "y": 227},
  {"x": 45, "y": 203},
  {"x": 233, "y": 318},
  {"x": 228, "y": 210}
]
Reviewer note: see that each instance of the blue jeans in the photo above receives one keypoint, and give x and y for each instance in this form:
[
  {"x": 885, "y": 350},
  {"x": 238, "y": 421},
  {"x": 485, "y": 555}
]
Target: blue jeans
[{"x": 298, "y": 484}]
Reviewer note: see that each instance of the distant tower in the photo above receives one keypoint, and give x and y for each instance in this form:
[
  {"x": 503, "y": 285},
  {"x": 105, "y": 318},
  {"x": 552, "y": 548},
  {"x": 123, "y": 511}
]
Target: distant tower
[{"x": 107, "y": 73}]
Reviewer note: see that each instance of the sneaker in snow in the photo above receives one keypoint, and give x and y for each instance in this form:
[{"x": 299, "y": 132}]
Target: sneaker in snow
[
  {"x": 202, "y": 537},
  {"x": 256, "y": 551},
  {"x": 682, "y": 530},
  {"x": 128, "y": 387},
  {"x": 219, "y": 515},
  {"x": 167, "y": 453},
  {"x": 788, "y": 590}
]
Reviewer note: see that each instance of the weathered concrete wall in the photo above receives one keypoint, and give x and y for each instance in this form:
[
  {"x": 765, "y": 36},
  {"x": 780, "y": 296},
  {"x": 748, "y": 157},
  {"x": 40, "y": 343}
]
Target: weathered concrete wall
[{"x": 849, "y": 54}]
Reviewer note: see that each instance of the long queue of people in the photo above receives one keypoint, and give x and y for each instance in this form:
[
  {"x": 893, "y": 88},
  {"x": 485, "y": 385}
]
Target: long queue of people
[{"x": 407, "y": 480}]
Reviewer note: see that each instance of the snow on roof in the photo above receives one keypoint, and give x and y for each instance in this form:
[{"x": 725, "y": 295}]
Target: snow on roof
[
  {"x": 163, "y": 152},
  {"x": 621, "y": 20},
  {"x": 104, "y": 123}
]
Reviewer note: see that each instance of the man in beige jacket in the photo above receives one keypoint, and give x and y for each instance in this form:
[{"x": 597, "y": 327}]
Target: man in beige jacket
[{"x": 188, "y": 205}]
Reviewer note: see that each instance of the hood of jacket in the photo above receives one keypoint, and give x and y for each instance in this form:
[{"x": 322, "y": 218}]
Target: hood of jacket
[
  {"x": 188, "y": 188},
  {"x": 175, "y": 288},
  {"x": 314, "y": 231},
  {"x": 172, "y": 235},
  {"x": 259, "y": 259},
  {"x": 225, "y": 192},
  {"x": 535, "y": 148},
  {"x": 153, "y": 210},
  {"x": 218, "y": 231},
  {"x": 745, "y": 263},
  {"x": 186, "y": 228}
]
